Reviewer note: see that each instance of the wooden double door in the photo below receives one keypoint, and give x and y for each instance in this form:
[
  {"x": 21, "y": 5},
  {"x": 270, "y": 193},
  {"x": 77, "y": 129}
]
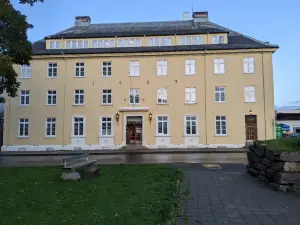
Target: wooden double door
[
  {"x": 134, "y": 131},
  {"x": 251, "y": 127}
]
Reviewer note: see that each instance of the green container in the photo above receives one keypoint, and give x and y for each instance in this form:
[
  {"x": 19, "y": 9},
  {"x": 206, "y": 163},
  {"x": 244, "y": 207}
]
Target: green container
[{"x": 278, "y": 131}]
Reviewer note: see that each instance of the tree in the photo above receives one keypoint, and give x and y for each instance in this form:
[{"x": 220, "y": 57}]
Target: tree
[{"x": 14, "y": 45}]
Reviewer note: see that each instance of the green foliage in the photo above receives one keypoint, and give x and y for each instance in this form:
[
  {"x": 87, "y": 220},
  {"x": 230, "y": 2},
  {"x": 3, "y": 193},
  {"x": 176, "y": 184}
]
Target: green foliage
[
  {"x": 135, "y": 195},
  {"x": 14, "y": 45},
  {"x": 285, "y": 145}
]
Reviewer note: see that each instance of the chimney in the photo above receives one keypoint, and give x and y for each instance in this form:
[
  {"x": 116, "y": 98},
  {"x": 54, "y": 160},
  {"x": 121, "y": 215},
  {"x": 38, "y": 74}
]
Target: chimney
[
  {"x": 200, "y": 16},
  {"x": 82, "y": 21},
  {"x": 186, "y": 16}
]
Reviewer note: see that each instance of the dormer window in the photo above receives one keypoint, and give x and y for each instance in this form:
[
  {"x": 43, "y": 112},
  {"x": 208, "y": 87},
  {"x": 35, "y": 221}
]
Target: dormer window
[
  {"x": 217, "y": 39},
  {"x": 77, "y": 44},
  {"x": 54, "y": 44}
]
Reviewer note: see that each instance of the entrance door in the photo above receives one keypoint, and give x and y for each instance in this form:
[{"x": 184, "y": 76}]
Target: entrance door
[
  {"x": 251, "y": 127},
  {"x": 134, "y": 131}
]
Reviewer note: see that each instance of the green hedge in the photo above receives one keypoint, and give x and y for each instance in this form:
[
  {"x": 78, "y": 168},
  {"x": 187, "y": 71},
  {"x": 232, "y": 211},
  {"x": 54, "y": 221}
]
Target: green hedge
[{"x": 287, "y": 145}]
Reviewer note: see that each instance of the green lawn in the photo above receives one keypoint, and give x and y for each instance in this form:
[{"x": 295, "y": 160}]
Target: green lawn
[
  {"x": 286, "y": 145},
  {"x": 133, "y": 195}
]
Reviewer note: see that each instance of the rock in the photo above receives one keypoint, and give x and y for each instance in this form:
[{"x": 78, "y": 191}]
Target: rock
[
  {"x": 270, "y": 154},
  {"x": 288, "y": 156},
  {"x": 260, "y": 166},
  {"x": 252, "y": 158},
  {"x": 291, "y": 167},
  {"x": 283, "y": 178},
  {"x": 277, "y": 166},
  {"x": 263, "y": 179},
  {"x": 260, "y": 150},
  {"x": 252, "y": 171},
  {"x": 280, "y": 187},
  {"x": 91, "y": 168},
  {"x": 266, "y": 161},
  {"x": 70, "y": 175}
]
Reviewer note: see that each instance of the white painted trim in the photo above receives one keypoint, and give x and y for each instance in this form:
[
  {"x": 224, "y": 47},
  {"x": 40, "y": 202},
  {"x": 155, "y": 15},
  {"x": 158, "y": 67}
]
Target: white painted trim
[
  {"x": 29, "y": 95},
  {"x": 220, "y": 135},
  {"x": 47, "y": 95},
  {"x": 50, "y": 136},
  {"x": 74, "y": 103},
  {"x": 134, "y": 109},
  {"x": 111, "y": 96},
  {"x": 79, "y": 68},
  {"x": 168, "y": 124},
  {"x": 197, "y": 125},
  {"x": 52, "y": 70},
  {"x": 102, "y": 75},
  {"x": 112, "y": 126},
  {"x": 124, "y": 128},
  {"x": 24, "y": 136},
  {"x": 84, "y": 127},
  {"x": 7, "y": 148}
]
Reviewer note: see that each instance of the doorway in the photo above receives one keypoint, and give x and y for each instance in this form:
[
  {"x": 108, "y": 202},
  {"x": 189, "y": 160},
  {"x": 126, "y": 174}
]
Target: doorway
[
  {"x": 251, "y": 127},
  {"x": 134, "y": 130}
]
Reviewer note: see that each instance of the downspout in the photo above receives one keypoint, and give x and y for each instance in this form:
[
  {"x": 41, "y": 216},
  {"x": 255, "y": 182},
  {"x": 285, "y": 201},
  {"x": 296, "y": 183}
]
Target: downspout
[
  {"x": 205, "y": 112},
  {"x": 264, "y": 92},
  {"x": 64, "y": 101}
]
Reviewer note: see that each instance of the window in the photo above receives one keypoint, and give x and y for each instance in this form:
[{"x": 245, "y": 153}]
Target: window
[
  {"x": 162, "y": 96},
  {"x": 191, "y": 40},
  {"x": 78, "y": 126},
  {"x": 162, "y": 125},
  {"x": 134, "y": 68},
  {"x": 25, "y": 71},
  {"x": 190, "y": 125},
  {"x": 52, "y": 70},
  {"x": 50, "y": 127},
  {"x": 79, "y": 97},
  {"x": 24, "y": 99},
  {"x": 190, "y": 95},
  {"x": 106, "y": 97},
  {"x": 249, "y": 93},
  {"x": 23, "y": 127},
  {"x": 103, "y": 43},
  {"x": 134, "y": 96},
  {"x": 132, "y": 42},
  {"x": 54, "y": 44},
  {"x": 77, "y": 44},
  {"x": 219, "y": 66},
  {"x": 160, "y": 41},
  {"x": 162, "y": 68},
  {"x": 219, "y": 94},
  {"x": 190, "y": 67},
  {"x": 79, "y": 69},
  {"x": 106, "y": 69},
  {"x": 218, "y": 40},
  {"x": 106, "y": 126},
  {"x": 51, "y": 97},
  {"x": 249, "y": 65},
  {"x": 221, "y": 125}
]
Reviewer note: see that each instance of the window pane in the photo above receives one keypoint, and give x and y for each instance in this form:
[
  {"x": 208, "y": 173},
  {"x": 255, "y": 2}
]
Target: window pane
[
  {"x": 165, "y": 127},
  {"x": 160, "y": 127}
]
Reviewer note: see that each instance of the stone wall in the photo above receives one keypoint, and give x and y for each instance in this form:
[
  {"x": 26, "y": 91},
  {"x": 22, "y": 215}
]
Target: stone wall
[{"x": 280, "y": 171}]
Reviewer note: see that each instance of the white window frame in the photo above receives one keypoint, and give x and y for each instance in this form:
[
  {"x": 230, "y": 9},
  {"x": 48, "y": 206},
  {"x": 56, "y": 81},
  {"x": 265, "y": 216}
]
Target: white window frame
[
  {"x": 221, "y": 130},
  {"x": 189, "y": 92},
  {"x": 72, "y": 44},
  {"x": 51, "y": 95},
  {"x": 108, "y": 43},
  {"x": 191, "y": 40},
  {"x": 84, "y": 126},
  {"x": 164, "y": 41},
  {"x": 51, "y": 68},
  {"x": 80, "y": 95},
  {"x": 25, "y": 122},
  {"x": 220, "y": 94},
  {"x": 106, "y": 94},
  {"x": 129, "y": 42},
  {"x": 51, "y": 123},
  {"x": 249, "y": 65},
  {"x": 79, "y": 66},
  {"x": 56, "y": 44},
  {"x": 250, "y": 94},
  {"x": 162, "y": 67},
  {"x": 190, "y": 67},
  {"x": 168, "y": 125},
  {"x": 162, "y": 96},
  {"x": 185, "y": 125},
  {"x": 25, "y": 72},
  {"x": 106, "y": 67},
  {"x": 218, "y": 39},
  {"x": 106, "y": 122},
  {"x": 134, "y": 92},
  {"x": 25, "y": 94},
  {"x": 219, "y": 66},
  {"x": 134, "y": 68}
]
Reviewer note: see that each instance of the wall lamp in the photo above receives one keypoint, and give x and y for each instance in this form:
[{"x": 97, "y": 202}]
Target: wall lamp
[
  {"x": 117, "y": 117},
  {"x": 150, "y": 116}
]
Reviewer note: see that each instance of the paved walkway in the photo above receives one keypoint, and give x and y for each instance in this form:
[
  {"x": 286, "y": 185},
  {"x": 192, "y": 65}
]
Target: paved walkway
[{"x": 229, "y": 195}]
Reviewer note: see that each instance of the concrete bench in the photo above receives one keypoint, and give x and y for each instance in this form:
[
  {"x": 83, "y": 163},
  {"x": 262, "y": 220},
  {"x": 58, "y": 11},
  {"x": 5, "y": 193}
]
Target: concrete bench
[{"x": 75, "y": 162}]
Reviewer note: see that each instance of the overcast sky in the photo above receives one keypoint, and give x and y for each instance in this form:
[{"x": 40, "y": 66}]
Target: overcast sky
[{"x": 275, "y": 21}]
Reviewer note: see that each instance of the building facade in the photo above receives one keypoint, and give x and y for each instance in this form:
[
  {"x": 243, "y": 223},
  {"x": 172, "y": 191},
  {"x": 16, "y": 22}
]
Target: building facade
[
  {"x": 173, "y": 84},
  {"x": 289, "y": 117}
]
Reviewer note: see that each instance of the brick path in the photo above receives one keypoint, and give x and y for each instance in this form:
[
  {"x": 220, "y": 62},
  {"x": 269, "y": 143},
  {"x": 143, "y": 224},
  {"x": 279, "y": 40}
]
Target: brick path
[{"x": 230, "y": 196}]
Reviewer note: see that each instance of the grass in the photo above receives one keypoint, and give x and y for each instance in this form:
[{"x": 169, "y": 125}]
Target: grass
[
  {"x": 286, "y": 145},
  {"x": 134, "y": 195}
]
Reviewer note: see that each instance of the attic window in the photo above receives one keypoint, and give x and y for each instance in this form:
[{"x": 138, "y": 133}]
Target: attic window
[
  {"x": 218, "y": 39},
  {"x": 54, "y": 44},
  {"x": 77, "y": 44}
]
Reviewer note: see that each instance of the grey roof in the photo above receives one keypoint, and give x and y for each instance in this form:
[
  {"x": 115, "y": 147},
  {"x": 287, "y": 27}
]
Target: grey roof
[{"x": 235, "y": 40}]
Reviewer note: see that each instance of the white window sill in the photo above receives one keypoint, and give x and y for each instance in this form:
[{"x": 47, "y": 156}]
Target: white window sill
[
  {"x": 25, "y": 77},
  {"x": 191, "y": 135},
  {"x": 162, "y": 103},
  {"x": 23, "y": 137},
  {"x": 190, "y": 74},
  {"x": 106, "y": 76},
  {"x": 247, "y": 73},
  {"x": 78, "y": 136},
  {"x": 220, "y": 102},
  {"x": 190, "y": 103},
  {"x": 134, "y": 76},
  {"x": 51, "y": 104},
  {"x": 163, "y": 135},
  {"x": 162, "y": 75},
  {"x": 50, "y": 136},
  {"x": 219, "y": 73},
  {"x": 250, "y": 102},
  {"x": 24, "y": 105},
  {"x": 78, "y": 104},
  {"x": 79, "y": 76},
  {"x": 51, "y": 77},
  {"x": 103, "y": 104},
  {"x": 221, "y": 135},
  {"x": 106, "y": 136},
  {"x": 134, "y": 104}
]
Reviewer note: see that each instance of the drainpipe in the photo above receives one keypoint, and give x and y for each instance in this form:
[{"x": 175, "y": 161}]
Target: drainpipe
[
  {"x": 205, "y": 112},
  {"x": 264, "y": 91},
  {"x": 64, "y": 101}
]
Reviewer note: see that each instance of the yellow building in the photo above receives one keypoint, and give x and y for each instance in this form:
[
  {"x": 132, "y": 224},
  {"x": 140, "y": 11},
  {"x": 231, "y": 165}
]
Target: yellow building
[{"x": 172, "y": 84}]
